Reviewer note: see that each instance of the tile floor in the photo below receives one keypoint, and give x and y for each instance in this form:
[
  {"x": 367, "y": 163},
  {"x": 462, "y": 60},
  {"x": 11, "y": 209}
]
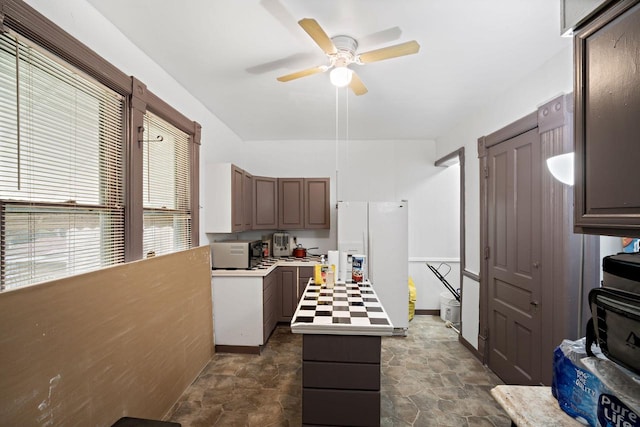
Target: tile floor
[{"x": 428, "y": 379}]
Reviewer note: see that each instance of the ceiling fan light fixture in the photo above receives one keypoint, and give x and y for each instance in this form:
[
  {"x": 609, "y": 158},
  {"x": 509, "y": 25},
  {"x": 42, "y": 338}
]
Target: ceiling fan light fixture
[{"x": 340, "y": 76}]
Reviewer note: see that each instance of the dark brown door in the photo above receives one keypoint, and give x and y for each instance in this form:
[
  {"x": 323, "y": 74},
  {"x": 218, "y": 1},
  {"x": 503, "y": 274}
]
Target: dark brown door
[{"x": 514, "y": 182}]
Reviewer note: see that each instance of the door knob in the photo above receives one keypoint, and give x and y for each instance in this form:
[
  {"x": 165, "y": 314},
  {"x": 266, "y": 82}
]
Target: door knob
[
  {"x": 536, "y": 265},
  {"x": 534, "y": 304}
]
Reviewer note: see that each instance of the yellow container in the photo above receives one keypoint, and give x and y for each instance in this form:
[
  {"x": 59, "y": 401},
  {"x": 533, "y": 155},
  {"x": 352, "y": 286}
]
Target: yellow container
[
  {"x": 412, "y": 298},
  {"x": 320, "y": 273}
]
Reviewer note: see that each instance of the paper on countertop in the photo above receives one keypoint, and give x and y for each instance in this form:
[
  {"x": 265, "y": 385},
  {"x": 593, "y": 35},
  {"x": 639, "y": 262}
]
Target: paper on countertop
[
  {"x": 342, "y": 268},
  {"x": 334, "y": 259}
]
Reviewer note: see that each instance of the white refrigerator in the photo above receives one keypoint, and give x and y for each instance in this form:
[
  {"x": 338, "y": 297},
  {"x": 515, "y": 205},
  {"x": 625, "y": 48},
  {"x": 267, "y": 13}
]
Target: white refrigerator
[{"x": 380, "y": 231}]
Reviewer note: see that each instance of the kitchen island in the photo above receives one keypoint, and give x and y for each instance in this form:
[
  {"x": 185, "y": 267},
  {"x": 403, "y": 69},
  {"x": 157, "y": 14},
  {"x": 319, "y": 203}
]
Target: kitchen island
[{"x": 342, "y": 328}]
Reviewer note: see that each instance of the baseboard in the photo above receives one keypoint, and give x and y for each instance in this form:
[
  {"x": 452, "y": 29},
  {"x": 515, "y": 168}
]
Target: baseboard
[
  {"x": 427, "y": 312},
  {"x": 471, "y": 348},
  {"x": 242, "y": 349}
]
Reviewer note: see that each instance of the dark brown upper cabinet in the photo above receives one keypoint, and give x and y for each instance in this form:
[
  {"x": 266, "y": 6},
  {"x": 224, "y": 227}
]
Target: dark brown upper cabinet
[
  {"x": 228, "y": 198},
  {"x": 237, "y": 198},
  {"x": 265, "y": 203},
  {"x": 607, "y": 122},
  {"x": 303, "y": 203},
  {"x": 247, "y": 200},
  {"x": 290, "y": 203},
  {"x": 236, "y": 201},
  {"x": 316, "y": 203}
]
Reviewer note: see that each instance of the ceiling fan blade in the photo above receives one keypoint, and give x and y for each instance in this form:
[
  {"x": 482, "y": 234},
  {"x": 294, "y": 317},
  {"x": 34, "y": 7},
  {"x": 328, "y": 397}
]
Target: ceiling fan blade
[
  {"x": 303, "y": 73},
  {"x": 357, "y": 86},
  {"x": 318, "y": 35},
  {"x": 401, "y": 49}
]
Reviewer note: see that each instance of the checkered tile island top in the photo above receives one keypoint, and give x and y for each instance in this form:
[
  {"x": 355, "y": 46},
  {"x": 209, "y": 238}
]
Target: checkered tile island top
[{"x": 345, "y": 309}]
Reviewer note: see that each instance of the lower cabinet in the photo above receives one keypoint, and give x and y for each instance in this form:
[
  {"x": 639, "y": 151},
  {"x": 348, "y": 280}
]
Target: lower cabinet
[
  {"x": 288, "y": 291},
  {"x": 247, "y": 309},
  {"x": 304, "y": 274},
  {"x": 269, "y": 304},
  {"x": 291, "y": 284}
]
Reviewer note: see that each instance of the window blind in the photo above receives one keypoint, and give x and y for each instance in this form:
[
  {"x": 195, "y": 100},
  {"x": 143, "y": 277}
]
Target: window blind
[
  {"x": 61, "y": 175},
  {"x": 167, "y": 188}
]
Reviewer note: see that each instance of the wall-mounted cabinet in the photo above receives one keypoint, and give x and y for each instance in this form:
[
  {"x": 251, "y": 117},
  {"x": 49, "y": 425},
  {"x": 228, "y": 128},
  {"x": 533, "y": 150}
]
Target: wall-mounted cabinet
[
  {"x": 290, "y": 203},
  {"x": 316, "y": 203},
  {"x": 607, "y": 108},
  {"x": 236, "y": 201},
  {"x": 265, "y": 206},
  {"x": 303, "y": 203},
  {"x": 224, "y": 198},
  {"x": 247, "y": 200}
]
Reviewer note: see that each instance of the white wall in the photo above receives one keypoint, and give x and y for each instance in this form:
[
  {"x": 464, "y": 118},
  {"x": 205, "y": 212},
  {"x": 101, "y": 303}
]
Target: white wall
[
  {"x": 551, "y": 79},
  {"x": 609, "y": 246},
  {"x": 366, "y": 170},
  {"x": 85, "y": 23}
]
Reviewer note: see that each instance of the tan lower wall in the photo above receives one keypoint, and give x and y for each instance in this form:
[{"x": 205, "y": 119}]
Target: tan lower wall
[{"x": 123, "y": 341}]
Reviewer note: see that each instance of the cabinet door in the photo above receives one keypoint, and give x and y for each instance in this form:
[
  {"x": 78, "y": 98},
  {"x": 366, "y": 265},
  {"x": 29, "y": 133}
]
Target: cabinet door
[
  {"x": 607, "y": 106},
  {"x": 304, "y": 273},
  {"x": 291, "y": 203},
  {"x": 247, "y": 197},
  {"x": 316, "y": 203},
  {"x": 270, "y": 304},
  {"x": 265, "y": 203},
  {"x": 237, "y": 201},
  {"x": 288, "y": 292}
]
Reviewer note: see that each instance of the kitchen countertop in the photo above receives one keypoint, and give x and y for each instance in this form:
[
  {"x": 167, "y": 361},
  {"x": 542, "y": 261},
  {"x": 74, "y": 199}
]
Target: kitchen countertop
[
  {"x": 531, "y": 406},
  {"x": 267, "y": 266},
  {"x": 345, "y": 309}
]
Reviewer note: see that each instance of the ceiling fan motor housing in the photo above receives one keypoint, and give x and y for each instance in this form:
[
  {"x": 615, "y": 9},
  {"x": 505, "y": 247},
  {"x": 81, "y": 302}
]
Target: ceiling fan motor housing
[{"x": 346, "y": 47}]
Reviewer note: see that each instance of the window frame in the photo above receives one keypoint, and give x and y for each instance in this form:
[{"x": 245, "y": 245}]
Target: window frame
[{"x": 24, "y": 20}]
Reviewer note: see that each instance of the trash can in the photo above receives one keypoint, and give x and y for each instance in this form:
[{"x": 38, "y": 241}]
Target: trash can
[{"x": 449, "y": 308}]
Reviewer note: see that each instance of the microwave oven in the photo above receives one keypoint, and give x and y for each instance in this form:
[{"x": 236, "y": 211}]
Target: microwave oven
[{"x": 236, "y": 254}]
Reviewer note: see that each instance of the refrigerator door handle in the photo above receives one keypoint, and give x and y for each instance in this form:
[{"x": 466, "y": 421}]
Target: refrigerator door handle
[
  {"x": 364, "y": 242},
  {"x": 370, "y": 260}
]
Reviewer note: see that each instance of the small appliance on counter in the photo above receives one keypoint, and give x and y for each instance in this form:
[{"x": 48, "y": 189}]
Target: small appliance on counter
[
  {"x": 237, "y": 254},
  {"x": 281, "y": 244}
]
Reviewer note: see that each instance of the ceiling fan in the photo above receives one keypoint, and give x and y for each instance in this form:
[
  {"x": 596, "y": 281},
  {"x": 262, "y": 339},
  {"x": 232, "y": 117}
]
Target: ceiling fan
[{"x": 341, "y": 51}]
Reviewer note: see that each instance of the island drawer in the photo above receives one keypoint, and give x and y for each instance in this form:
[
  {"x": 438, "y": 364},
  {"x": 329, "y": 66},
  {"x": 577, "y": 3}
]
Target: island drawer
[
  {"x": 341, "y": 348},
  {"x": 347, "y": 407},
  {"x": 354, "y": 376}
]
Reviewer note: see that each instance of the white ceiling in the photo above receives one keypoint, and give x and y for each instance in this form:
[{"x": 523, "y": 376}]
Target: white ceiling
[{"x": 228, "y": 53}]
